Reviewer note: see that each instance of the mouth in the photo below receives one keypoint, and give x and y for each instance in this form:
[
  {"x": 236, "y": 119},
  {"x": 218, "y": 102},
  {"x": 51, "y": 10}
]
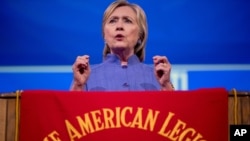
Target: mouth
[{"x": 119, "y": 37}]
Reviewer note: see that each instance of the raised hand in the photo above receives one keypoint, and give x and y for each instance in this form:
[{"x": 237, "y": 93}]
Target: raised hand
[
  {"x": 81, "y": 72},
  {"x": 162, "y": 69}
]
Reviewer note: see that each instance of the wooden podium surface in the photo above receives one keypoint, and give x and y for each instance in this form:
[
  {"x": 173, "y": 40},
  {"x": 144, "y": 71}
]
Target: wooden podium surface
[
  {"x": 237, "y": 114},
  {"x": 7, "y": 116}
]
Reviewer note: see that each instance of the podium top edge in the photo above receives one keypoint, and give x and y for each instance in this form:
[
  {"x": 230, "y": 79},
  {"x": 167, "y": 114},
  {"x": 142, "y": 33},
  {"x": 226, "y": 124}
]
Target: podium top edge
[
  {"x": 8, "y": 95},
  {"x": 230, "y": 94},
  {"x": 239, "y": 93}
]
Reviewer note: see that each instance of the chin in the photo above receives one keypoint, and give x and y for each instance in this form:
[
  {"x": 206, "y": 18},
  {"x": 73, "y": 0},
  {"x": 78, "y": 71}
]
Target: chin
[{"x": 120, "y": 46}]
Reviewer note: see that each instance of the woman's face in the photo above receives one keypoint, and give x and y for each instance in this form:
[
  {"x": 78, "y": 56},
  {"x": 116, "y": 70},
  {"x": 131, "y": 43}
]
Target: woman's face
[{"x": 121, "y": 30}]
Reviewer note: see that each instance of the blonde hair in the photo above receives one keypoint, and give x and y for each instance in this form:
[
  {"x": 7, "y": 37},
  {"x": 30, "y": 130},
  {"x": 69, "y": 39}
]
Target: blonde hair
[{"x": 141, "y": 19}]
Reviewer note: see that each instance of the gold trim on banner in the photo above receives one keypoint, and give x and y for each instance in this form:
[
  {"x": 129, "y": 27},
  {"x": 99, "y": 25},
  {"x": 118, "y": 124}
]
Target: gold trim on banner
[
  {"x": 18, "y": 94},
  {"x": 235, "y": 106}
]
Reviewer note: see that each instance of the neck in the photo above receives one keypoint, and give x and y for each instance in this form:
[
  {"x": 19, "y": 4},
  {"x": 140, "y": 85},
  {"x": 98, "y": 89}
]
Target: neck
[{"x": 123, "y": 56}]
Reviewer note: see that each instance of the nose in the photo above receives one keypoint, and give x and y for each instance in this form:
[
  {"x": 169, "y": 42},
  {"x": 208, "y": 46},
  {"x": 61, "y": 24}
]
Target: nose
[{"x": 119, "y": 26}]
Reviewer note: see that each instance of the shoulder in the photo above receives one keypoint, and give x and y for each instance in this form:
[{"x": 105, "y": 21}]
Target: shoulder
[
  {"x": 95, "y": 66},
  {"x": 100, "y": 66},
  {"x": 147, "y": 66}
]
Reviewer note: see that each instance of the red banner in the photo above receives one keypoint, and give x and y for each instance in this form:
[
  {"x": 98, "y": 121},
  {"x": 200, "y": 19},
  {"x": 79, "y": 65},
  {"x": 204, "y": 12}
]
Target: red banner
[{"x": 197, "y": 115}]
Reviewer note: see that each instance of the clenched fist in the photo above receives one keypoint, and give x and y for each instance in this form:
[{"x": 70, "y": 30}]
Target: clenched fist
[{"x": 81, "y": 72}]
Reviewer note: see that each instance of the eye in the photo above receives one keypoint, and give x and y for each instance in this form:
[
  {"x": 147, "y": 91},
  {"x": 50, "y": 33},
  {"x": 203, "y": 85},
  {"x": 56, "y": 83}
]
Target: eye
[
  {"x": 127, "y": 20},
  {"x": 112, "y": 21}
]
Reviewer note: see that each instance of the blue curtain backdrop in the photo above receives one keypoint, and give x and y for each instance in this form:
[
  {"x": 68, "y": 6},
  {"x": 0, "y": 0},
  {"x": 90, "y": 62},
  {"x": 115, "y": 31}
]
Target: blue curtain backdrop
[{"x": 47, "y": 33}]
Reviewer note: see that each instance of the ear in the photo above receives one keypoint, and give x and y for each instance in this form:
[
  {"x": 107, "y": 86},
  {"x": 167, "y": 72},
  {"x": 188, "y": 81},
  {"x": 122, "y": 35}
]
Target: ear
[
  {"x": 139, "y": 41},
  {"x": 140, "y": 36}
]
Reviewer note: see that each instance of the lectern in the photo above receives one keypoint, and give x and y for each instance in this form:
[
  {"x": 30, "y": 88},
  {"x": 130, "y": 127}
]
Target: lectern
[
  {"x": 8, "y": 116},
  {"x": 65, "y": 115}
]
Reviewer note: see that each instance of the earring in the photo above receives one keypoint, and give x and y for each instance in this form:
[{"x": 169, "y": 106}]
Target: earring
[{"x": 139, "y": 42}]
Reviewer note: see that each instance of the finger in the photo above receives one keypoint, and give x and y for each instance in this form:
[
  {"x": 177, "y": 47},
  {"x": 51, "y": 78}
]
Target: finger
[
  {"x": 82, "y": 68},
  {"x": 156, "y": 59},
  {"x": 84, "y": 57},
  {"x": 162, "y": 73},
  {"x": 81, "y": 62},
  {"x": 160, "y": 59},
  {"x": 163, "y": 59},
  {"x": 163, "y": 67}
]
